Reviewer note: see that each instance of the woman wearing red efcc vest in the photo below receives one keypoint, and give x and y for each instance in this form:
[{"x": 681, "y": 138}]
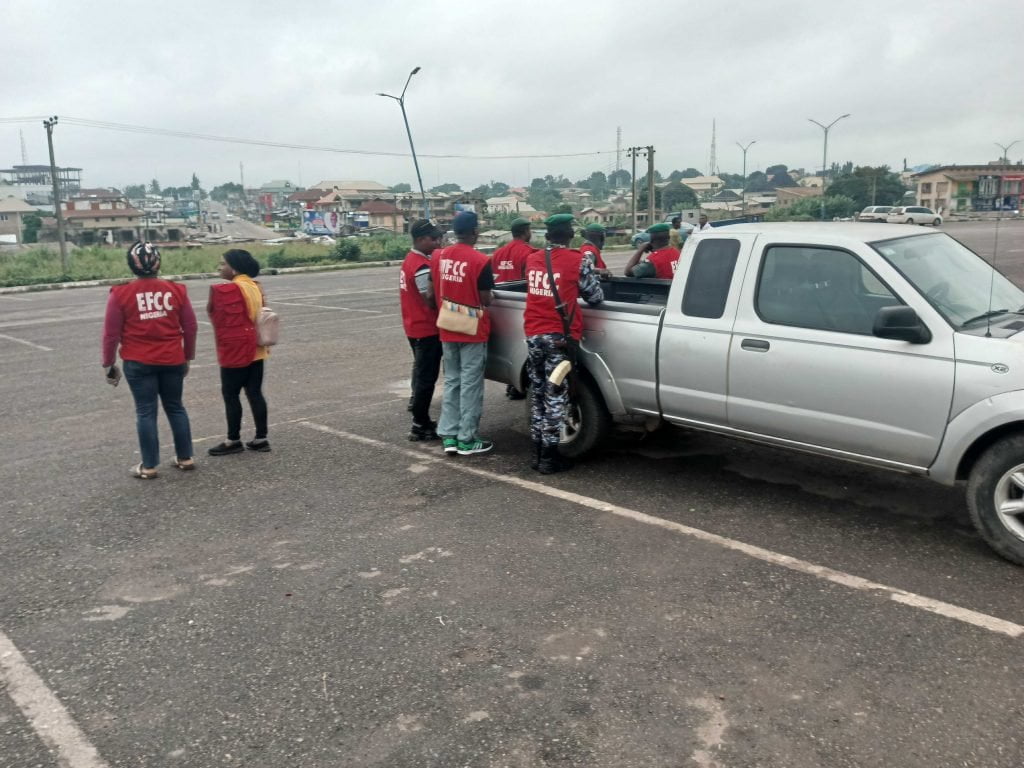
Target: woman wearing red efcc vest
[
  {"x": 153, "y": 321},
  {"x": 575, "y": 277},
  {"x": 233, "y": 308},
  {"x": 462, "y": 274},
  {"x": 419, "y": 317}
]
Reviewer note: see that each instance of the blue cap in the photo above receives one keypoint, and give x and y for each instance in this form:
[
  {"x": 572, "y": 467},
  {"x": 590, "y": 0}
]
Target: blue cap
[{"x": 464, "y": 222}]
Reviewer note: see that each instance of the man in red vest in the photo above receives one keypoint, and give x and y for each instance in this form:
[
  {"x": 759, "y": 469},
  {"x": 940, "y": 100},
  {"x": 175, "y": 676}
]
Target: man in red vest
[
  {"x": 554, "y": 327},
  {"x": 509, "y": 261},
  {"x": 419, "y": 317},
  {"x": 462, "y": 274},
  {"x": 593, "y": 241},
  {"x": 661, "y": 258}
]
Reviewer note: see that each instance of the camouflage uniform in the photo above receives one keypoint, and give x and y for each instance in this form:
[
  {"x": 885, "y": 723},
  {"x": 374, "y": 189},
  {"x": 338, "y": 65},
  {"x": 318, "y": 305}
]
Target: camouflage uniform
[{"x": 546, "y": 350}]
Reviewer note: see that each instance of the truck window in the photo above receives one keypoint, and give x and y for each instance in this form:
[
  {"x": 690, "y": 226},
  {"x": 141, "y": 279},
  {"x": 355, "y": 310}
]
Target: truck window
[
  {"x": 707, "y": 285},
  {"x": 826, "y": 289}
]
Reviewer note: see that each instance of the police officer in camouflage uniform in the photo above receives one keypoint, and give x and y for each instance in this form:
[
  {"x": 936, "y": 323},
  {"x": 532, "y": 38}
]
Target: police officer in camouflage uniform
[{"x": 553, "y": 331}]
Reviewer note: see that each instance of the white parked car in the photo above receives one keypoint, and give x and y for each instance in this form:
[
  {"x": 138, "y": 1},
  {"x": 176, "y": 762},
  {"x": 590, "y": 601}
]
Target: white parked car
[
  {"x": 913, "y": 214},
  {"x": 874, "y": 213}
]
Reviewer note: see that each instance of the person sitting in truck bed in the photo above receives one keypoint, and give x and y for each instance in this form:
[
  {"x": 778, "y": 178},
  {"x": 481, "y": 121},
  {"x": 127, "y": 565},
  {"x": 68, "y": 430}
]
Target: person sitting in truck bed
[{"x": 661, "y": 258}]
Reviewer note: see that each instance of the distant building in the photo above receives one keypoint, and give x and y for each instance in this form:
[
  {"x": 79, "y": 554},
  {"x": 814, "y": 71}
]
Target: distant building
[
  {"x": 968, "y": 188},
  {"x": 704, "y": 185},
  {"x": 107, "y": 220},
  {"x": 509, "y": 204},
  {"x": 786, "y": 196},
  {"x": 34, "y": 184},
  {"x": 12, "y": 209}
]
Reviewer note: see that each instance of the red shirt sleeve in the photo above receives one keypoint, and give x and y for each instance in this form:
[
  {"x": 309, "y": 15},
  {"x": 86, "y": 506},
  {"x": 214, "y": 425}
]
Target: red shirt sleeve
[
  {"x": 189, "y": 326},
  {"x": 113, "y": 322}
]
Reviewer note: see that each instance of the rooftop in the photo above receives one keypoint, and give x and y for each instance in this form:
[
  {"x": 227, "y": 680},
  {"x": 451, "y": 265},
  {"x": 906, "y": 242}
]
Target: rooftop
[{"x": 15, "y": 205}]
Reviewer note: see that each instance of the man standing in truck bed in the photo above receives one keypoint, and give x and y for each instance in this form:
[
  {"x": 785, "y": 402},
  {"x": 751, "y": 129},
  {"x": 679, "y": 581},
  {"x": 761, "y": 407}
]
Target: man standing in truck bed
[
  {"x": 509, "y": 262},
  {"x": 661, "y": 260},
  {"x": 555, "y": 279}
]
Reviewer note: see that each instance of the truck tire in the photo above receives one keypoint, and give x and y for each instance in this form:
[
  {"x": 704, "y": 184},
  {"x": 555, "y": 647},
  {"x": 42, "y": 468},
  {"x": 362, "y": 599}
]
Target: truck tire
[
  {"x": 587, "y": 425},
  {"x": 995, "y": 497}
]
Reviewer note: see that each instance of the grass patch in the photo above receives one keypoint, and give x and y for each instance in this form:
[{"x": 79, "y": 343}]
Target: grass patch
[{"x": 42, "y": 264}]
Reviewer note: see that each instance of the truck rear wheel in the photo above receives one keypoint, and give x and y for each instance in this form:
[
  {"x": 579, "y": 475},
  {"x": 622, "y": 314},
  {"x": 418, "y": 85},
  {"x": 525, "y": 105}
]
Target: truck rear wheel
[
  {"x": 995, "y": 497},
  {"x": 587, "y": 424}
]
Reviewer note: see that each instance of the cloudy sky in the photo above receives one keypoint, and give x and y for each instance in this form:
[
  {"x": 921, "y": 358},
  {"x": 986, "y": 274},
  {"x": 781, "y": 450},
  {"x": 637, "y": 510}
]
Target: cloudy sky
[{"x": 925, "y": 82}]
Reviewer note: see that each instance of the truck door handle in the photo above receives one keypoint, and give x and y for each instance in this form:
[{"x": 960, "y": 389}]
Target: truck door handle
[{"x": 755, "y": 345}]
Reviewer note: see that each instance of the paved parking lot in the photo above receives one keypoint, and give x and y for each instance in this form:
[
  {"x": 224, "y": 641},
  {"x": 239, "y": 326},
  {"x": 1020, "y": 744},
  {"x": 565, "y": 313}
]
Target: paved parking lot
[{"x": 353, "y": 599}]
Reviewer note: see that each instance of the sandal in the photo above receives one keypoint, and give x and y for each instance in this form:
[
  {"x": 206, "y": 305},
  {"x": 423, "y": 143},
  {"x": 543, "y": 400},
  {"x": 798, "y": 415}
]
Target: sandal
[
  {"x": 185, "y": 464},
  {"x": 142, "y": 473}
]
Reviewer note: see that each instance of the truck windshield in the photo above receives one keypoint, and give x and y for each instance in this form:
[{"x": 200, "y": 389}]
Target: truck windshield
[{"x": 955, "y": 280}]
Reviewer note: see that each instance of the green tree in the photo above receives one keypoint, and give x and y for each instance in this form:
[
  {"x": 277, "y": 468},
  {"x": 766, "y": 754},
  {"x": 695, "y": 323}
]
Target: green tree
[
  {"x": 619, "y": 178},
  {"x": 810, "y": 208},
  {"x": 562, "y": 208},
  {"x": 499, "y": 189},
  {"x": 154, "y": 187},
  {"x": 446, "y": 188},
  {"x": 677, "y": 196},
  {"x": 30, "y": 224},
  {"x": 403, "y": 187},
  {"x": 869, "y": 186},
  {"x": 691, "y": 173},
  {"x": 732, "y": 180},
  {"x": 222, "y": 192},
  {"x": 195, "y": 183},
  {"x": 757, "y": 182},
  {"x": 135, "y": 191},
  {"x": 773, "y": 170}
]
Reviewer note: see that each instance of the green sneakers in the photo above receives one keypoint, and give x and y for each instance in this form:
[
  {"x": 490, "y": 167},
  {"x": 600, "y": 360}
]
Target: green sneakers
[
  {"x": 473, "y": 447},
  {"x": 451, "y": 445}
]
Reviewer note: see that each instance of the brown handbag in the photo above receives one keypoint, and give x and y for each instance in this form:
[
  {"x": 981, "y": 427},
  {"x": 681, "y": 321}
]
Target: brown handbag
[{"x": 459, "y": 318}]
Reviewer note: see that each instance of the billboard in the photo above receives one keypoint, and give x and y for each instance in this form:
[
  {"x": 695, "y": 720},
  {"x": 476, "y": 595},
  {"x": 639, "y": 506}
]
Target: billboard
[{"x": 322, "y": 222}]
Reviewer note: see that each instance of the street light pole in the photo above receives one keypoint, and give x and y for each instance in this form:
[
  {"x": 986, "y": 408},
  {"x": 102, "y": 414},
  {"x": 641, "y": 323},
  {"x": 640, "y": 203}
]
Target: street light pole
[
  {"x": 415, "y": 162},
  {"x": 824, "y": 158},
  {"x": 1006, "y": 150},
  {"x": 743, "y": 195}
]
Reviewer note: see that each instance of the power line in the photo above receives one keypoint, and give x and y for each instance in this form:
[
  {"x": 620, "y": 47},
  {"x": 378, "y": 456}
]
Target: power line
[{"x": 105, "y": 125}]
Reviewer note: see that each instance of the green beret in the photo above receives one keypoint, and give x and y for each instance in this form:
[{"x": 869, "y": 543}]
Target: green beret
[
  {"x": 655, "y": 228},
  {"x": 518, "y": 222},
  {"x": 593, "y": 227},
  {"x": 558, "y": 219}
]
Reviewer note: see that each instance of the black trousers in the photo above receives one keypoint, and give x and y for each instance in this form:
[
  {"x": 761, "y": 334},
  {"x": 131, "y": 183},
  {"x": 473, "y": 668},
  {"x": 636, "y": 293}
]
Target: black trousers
[
  {"x": 232, "y": 382},
  {"x": 426, "y": 365}
]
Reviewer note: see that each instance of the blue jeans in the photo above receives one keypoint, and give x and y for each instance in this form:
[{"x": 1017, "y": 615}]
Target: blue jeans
[
  {"x": 148, "y": 384},
  {"x": 463, "y": 403}
]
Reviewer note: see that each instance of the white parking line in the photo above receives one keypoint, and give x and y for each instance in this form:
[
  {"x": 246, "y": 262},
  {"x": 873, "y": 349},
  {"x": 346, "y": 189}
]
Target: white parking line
[
  {"x": 950, "y": 611},
  {"x": 44, "y": 711},
  {"x": 26, "y": 343},
  {"x": 325, "y": 306}
]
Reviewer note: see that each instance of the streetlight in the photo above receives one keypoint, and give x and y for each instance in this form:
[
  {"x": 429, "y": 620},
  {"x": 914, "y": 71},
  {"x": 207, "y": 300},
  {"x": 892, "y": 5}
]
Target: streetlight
[
  {"x": 743, "y": 196},
  {"x": 824, "y": 158},
  {"x": 415, "y": 162},
  {"x": 1006, "y": 150}
]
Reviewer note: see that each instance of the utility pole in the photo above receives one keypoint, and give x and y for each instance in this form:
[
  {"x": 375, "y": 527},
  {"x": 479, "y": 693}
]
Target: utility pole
[
  {"x": 824, "y": 158},
  {"x": 1006, "y": 151},
  {"x": 241, "y": 176},
  {"x": 633, "y": 152},
  {"x": 651, "y": 207},
  {"x": 743, "y": 194},
  {"x": 64, "y": 266}
]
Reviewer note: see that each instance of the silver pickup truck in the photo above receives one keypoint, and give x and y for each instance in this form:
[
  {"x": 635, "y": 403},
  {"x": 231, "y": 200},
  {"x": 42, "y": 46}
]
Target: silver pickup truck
[{"x": 883, "y": 344}]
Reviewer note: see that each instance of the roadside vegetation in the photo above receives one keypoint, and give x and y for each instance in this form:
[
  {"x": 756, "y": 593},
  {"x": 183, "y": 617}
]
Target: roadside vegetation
[{"x": 42, "y": 265}]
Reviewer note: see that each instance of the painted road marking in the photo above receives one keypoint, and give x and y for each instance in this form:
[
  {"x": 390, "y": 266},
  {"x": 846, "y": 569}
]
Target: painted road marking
[
  {"x": 26, "y": 343},
  {"x": 44, "y": 711},
  {"x": 948, "y": 610},
  {"x": 326, "y": 306}
]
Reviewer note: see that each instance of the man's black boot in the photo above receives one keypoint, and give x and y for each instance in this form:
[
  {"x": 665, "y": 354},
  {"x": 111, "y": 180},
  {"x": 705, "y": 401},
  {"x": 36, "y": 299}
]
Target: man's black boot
[
  {"x": 551, "y": 461},
  {"x": 537, "y": 450},
  {"x": 426, "y": 431}
]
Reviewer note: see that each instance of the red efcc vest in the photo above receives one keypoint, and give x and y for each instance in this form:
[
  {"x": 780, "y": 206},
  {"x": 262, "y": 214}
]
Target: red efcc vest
[
  {"x": 541, "y": 316},
  {"x": 418, "y": 318},
  {"x": 151, "y": 308},
  {"x": 232, "y": 327},
  {"x": 593, "y": 249},
  {"x": 664, "y": 261},
  {"x": 509, "y": 261},
  {"x": 455, "y": 274}
]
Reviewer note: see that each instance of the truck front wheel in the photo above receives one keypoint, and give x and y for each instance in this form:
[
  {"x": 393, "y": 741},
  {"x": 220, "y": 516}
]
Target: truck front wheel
[{"x": 995, "y": 497}]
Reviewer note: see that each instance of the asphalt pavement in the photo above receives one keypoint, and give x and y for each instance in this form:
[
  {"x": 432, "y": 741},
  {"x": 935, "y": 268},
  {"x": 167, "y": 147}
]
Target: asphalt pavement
[{"x": 354, "y": 599}]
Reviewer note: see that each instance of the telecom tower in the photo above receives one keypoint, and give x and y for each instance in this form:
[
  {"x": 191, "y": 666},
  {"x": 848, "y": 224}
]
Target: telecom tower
[
  {"x": 713, "y": 161},
  {"x": 24, "y": 152},
  {"x": 618, "y": 149}
]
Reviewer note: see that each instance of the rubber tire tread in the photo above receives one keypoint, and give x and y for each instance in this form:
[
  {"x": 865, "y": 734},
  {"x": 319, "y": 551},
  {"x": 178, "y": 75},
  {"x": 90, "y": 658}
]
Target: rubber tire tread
[{"x": 981, "y": 485}]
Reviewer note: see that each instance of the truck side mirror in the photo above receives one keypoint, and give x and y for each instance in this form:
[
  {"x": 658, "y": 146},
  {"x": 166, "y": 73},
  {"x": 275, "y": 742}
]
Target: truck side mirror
[{"x": 901, "y": 322}]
